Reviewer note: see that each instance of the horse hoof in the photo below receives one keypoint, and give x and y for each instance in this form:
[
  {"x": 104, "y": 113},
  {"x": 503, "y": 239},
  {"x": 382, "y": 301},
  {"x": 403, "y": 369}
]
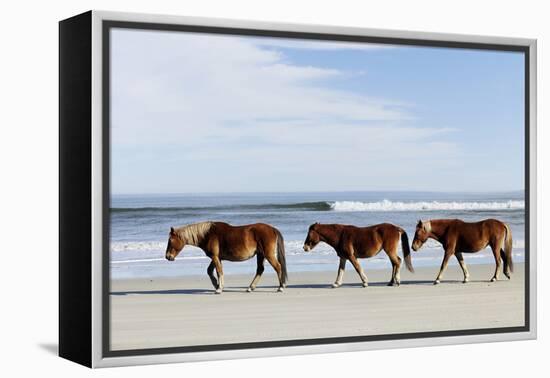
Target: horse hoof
[
  {"x": 280, "y": 289},
  {"x": 335, "y": 285},
  {"x": 493, "y": 279},
  {"x": 249, "y": 290},
  {"x": 365, "y": 284},
  {"x": 465, "y": 281},
  {"x": 218, "y": 291},
  {"x": 437, "y": 282}
]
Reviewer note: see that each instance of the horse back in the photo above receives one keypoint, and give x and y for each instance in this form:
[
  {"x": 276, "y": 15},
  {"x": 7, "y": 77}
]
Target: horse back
[
  {"x": 381, "y": 230},
  {"x": 368, "y": 241},
  {"x": 238, "y": 242},
  {"x": 475, "y": 236}
]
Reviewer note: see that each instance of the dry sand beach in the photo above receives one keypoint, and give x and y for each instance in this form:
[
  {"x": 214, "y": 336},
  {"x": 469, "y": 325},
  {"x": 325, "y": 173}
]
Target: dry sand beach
[{"x": 168, "y": 312}]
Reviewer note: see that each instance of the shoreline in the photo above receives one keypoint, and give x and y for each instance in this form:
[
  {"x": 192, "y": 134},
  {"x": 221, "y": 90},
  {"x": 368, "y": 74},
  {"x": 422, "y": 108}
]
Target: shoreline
[
  {"x": 169, "y": 312},
  {"x": 195, "y": 267}
]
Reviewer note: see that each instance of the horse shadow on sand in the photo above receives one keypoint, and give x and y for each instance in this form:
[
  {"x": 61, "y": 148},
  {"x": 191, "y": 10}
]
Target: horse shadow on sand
[
  {"x": 235, "y": 289},
  {"x": 169, "y": 292},
  {"x": 273, "y": 289}
]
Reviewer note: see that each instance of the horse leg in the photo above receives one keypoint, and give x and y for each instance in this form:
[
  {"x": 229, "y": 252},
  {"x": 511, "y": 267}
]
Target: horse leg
[
  {"x": 210, "y": 272},
  {"x": 359, "y": 270},
  {"x": 259, "y": 270},
  {"x": 496, "y": 253},
  {"x": 219, "y": 271},
  {"x": 505, "y": 266},
  {"x": 460, "y": 259},
  {"x": 396, "y": 267},
  {"x": 448, "y": 254},
  {"x": 278, "y": 269},
  {"x": 340, "y": 275}
]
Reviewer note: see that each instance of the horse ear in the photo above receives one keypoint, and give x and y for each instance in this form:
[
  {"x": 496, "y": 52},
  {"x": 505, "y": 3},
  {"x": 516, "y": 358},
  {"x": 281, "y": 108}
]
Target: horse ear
[
  {"x": 172, "y": 232},
  {"x": 419, "y": 223}
]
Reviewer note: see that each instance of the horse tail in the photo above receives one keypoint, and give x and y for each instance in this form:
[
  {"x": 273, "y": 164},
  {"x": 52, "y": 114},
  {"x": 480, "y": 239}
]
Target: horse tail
[
  {"x": 508, "y": 247},
  {"x": 281, "y": 256},
  {"x": 406, "y": 250}
]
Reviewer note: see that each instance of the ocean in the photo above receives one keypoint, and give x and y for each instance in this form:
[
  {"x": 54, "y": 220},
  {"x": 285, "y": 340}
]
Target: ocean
[{"x": 140, "y": 226}]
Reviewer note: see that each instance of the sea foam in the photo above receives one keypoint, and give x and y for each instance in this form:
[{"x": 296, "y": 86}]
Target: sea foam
[
  {"x": 387, "y": 205},
  {"x": 292, "y": 247}
]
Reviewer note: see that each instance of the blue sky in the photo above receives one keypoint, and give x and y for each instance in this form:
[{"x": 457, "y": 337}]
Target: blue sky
[{"x": 198, "y": 113}]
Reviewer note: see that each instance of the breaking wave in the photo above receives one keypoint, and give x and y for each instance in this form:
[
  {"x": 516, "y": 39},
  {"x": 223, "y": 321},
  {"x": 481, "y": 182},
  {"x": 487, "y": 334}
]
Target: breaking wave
[
  {"x": 387, "y": 205},
  {"x": 292, "y": 247},
  {"x": 384, "y": 205}
]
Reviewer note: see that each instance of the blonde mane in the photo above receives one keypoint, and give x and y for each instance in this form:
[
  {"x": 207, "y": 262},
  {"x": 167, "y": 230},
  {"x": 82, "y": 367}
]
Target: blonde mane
[
  {"x": 428, "y": 226},
  {"x": 193, "y": 234}
]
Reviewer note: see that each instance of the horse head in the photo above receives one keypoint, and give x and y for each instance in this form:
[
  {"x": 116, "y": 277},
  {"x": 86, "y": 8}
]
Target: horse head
[
  {"x": 421, "y": 234},
  {"x": 175, "y": 245},
  {"x": 313, "y": 238}
]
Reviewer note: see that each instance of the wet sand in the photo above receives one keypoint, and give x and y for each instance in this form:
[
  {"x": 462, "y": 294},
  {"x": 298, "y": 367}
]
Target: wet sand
[{"x": 171, "y": 312}]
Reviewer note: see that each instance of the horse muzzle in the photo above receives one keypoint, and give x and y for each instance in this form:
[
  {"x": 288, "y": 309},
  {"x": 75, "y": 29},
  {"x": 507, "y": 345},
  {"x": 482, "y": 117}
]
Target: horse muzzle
[
  {"x": 170, "y": 258},
  {"x": 307, "y": 248}
]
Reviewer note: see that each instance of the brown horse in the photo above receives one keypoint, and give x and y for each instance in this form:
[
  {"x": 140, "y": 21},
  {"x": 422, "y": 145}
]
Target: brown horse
[
  {"x": 351, "y": 243},
  {"x": 221, "y": 241},
  {"x": 459, "y": 237}
]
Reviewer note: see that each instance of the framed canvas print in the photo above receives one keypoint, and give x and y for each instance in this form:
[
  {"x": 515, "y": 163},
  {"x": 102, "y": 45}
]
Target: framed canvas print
[{"x": 232, "y": 189}]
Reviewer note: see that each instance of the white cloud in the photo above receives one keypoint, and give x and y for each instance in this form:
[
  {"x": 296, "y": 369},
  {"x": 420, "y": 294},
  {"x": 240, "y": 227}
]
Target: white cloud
[
  {"x": 235, "y": 103},
  {"x": 293, "y": 74},
  {"x": 175, "y": 82}
]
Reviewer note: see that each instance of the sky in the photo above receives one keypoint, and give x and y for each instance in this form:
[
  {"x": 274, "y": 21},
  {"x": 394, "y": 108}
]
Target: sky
[{"x": 201, "y": 113}]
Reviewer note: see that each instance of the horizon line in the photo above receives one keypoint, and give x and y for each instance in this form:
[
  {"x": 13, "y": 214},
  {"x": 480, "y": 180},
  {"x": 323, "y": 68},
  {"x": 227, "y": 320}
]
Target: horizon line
[{"x": 327, "y": 191}]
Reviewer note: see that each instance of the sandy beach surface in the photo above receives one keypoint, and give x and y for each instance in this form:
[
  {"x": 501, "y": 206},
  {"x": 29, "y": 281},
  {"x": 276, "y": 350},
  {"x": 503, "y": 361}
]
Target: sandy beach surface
[{"x": 167, "y": 312}]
